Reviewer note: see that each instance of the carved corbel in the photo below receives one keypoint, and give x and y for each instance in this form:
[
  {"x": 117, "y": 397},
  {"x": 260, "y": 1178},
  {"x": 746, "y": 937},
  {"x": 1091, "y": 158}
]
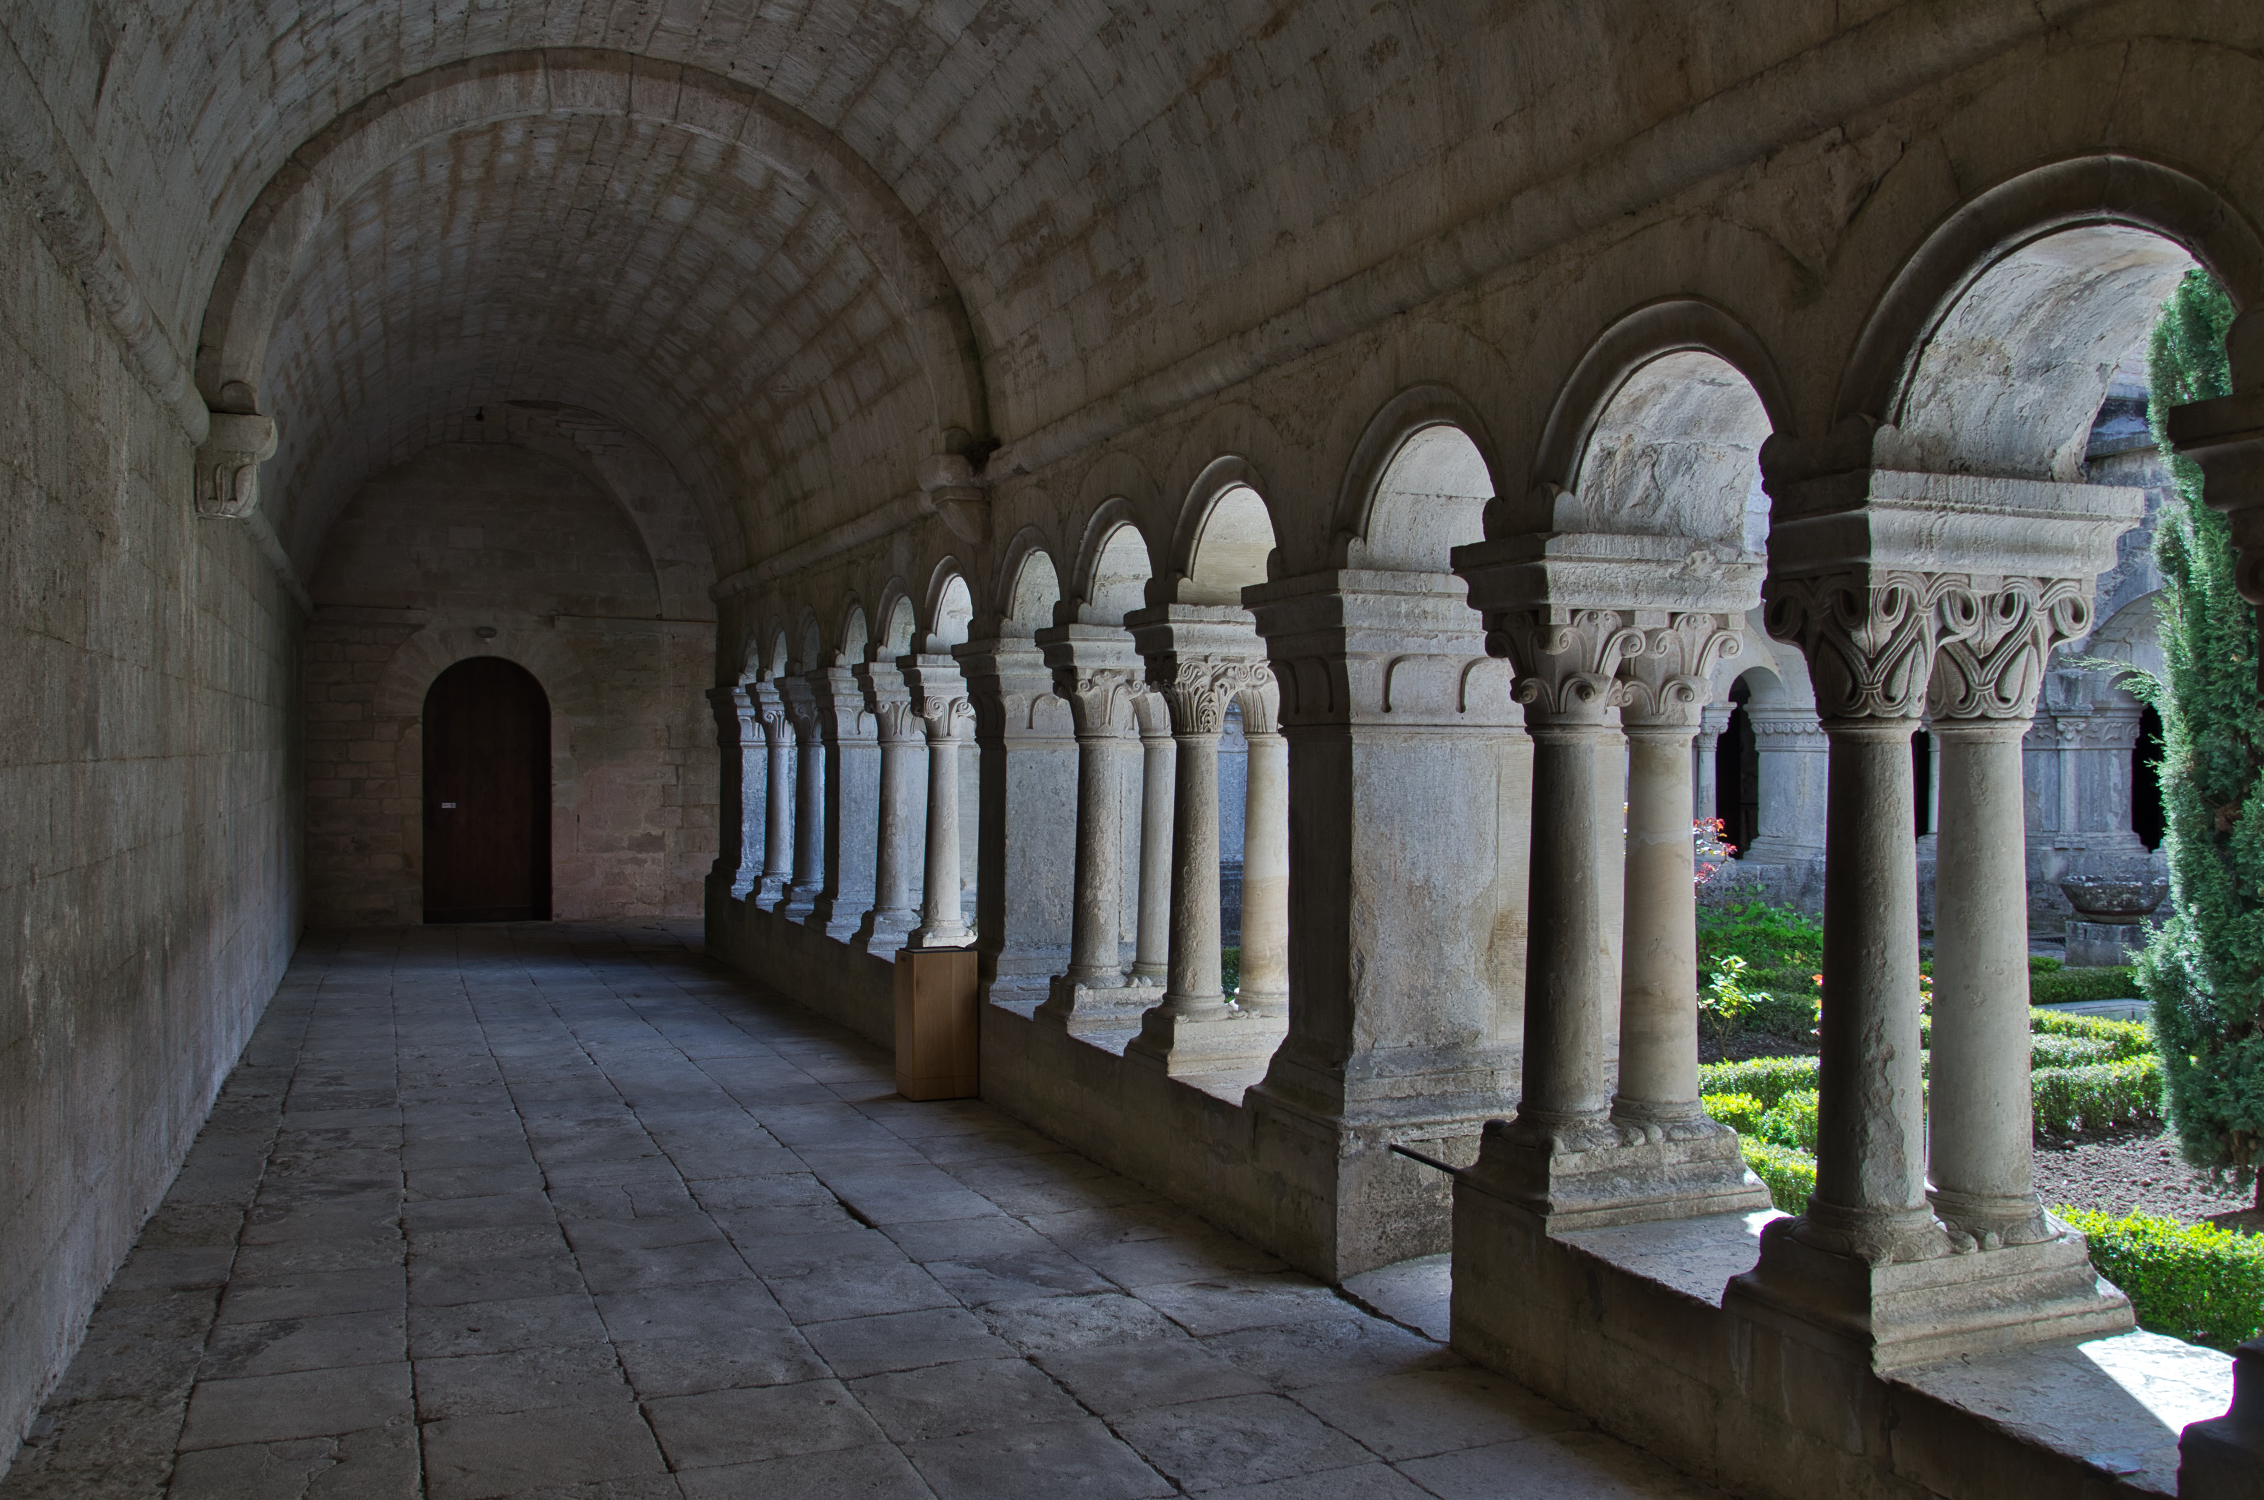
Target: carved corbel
[
  {"x": 949, "y": 483},
  {"x": 228, "y": 464},
  {"x": 1567, "y": 668},
  {"x": 1669, "y": 680},
  {"x": 1995, "y": 641}
]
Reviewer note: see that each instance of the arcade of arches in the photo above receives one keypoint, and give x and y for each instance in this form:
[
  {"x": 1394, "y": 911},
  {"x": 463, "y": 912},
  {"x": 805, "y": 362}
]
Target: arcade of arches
[{"x": 1264, "y": 522}]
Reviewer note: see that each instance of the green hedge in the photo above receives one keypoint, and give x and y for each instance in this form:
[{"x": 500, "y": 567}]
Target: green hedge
[
  {"x": 1790, "y": 1174},
  {"x": 1767, "y": 1079},
  {"x": 1792, "y": 1122},
  {"x": 2197, "y": 1282},
  {"x": 2048, "y": 1051},
  {"x": 1740, "y": 1112},
  {"x": 2129, "y": 1038},
  {"x": 2063, "y": 986},
  {"x": 2098, "y": 1097}
]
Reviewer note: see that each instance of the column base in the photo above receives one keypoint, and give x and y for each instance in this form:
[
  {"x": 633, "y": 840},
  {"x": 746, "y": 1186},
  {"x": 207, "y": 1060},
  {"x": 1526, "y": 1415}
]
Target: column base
[
  {"x": 1594, "y": 1174},
  {"x": 1811, "y": 1286},
  {"x": 1080, "y": 1006},
  {"x": 881, "y": 933},
  {"x": 769, "y": 893},
  {"x": 1182, "y": 1044},
  {"x": 837, "y": 919}
]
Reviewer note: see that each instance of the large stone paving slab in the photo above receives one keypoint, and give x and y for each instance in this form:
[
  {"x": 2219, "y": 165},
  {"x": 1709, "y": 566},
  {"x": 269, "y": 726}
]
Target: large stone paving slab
[{"x": 507, "y": 1212}]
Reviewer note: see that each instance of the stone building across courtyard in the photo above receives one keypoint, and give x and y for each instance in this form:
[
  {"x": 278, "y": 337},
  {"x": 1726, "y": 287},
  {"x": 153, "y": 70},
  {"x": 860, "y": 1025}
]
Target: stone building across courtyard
[{"x": 571, "y": 567}]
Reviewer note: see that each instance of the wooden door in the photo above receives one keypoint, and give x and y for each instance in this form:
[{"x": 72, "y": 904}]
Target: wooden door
[{"x": 486, "y": 794}]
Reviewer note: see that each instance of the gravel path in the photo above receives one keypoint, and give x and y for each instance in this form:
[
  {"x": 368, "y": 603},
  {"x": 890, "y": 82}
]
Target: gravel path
[{"x": 2134, "y": 1169}]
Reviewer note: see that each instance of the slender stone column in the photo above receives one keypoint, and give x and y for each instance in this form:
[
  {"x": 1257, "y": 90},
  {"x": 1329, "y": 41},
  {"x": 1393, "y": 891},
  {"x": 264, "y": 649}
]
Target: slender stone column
[
  {"x": 1870, "y": 648},
  {"x": 1199, "y": 657},
  {"x": 778, "y": 787},
  {"x": 1099, "y": 698},
  {"x": 939, "y": 696},
  {"x": 1982, "y": 1124},
  {"x": 809, "y": 801},
  {"x": 1705, "y": 765},
  {"x": 1265, "y": 858},
  {"x": 1159, "y": 754},
  {"x": 902, "y": 812},
  {"x": 1658, "y": 1014},
  {"x": 852, "y": 802}
]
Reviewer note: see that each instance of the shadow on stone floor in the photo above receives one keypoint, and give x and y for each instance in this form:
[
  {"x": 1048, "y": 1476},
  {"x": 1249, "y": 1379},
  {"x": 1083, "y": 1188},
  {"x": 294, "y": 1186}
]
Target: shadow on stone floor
[{"x": 567, "y": 1210}]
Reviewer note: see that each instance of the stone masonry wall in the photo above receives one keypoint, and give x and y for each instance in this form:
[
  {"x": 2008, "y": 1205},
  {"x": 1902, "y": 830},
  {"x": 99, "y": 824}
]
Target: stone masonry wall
[
  {"x": 477, "y": 535},
  {"x": 149, "y": 821}
]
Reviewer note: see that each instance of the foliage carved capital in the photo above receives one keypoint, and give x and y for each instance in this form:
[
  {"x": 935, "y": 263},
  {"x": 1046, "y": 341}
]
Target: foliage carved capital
[
  {"x": 1995, "y": 641},
  {"x": 1567, "y": 668},
  {"x": 1669, "y": 677}
]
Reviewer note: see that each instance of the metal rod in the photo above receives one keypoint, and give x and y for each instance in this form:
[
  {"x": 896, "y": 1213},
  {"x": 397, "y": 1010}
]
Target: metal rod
[{"x": 1428, "y": 1161}]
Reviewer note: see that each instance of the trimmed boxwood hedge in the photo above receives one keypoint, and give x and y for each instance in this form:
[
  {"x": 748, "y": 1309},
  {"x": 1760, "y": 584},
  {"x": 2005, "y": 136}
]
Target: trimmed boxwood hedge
[
  {"x": 1767, "y": 1079},
  {"x": 1790, "y": 1174},
  {"x": 2194, "y": 1282},
  {"x": 2098, "y": 1097}
]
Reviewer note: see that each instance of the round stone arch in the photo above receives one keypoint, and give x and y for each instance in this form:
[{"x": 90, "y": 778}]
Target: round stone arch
[
  {"x": 1655, "y": 331},
  {"x": 398, "y": 711},
  {"x": 856, "y": 633},
  {"x": 1114, "y": 565},
  {"x": 1219, "y": 539},
  {"x": 2093, "y": 191},
  {"x": 948, "y": 611},
  {"x": 1382, "y": 522},
  {"x": 256, "y": 272},
  {"x": 1028, "y": 586}
]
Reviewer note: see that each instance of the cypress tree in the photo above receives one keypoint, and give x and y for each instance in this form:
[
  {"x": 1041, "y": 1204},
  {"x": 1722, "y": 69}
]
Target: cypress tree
[{"x": 2204, "y": 969}]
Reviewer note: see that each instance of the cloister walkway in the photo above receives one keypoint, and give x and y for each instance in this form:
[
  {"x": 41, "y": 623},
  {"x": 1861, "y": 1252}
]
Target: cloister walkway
[{"x": 558, "y": 1210}]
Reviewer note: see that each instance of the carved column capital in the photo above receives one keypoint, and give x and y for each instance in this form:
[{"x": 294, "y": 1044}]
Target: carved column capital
[
  {"x": 1869, "y": 638},
  {"x": 1669, "y": 676},
  {"x": 1995, "y": 639},
  {"x": 1567, "y": 661},
  {"x": 735, "y": 717},
  {"x": 1197, "y": 689},
  {"x": 1096, "y": 696}
]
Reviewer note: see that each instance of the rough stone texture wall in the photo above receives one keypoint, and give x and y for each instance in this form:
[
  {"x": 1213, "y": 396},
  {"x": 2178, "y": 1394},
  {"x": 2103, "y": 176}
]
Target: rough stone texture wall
[
  {"x": 149, "y": 827},
  {"x": 473, "y": 535}
]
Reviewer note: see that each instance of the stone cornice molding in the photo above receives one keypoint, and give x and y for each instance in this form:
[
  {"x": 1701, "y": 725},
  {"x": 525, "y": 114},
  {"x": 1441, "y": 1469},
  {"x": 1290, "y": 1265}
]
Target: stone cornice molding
[
  {"x": 1353, "y": 647},
  {"x": 1786, "y": 729},
  {"x": 1995, "y": 642},
  {"x": 1669, "y": 677},
  {"x": 1097, "y": 671}
]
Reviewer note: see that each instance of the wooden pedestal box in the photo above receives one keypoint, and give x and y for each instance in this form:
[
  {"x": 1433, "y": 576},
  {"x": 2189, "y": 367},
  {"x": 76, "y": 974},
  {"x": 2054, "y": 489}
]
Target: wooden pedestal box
[{"x": 935, "y": 1023}]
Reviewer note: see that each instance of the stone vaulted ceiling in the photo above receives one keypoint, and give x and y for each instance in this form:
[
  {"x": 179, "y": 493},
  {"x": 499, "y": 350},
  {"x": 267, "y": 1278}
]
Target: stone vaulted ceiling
[{"x": 1104, "y": 191}]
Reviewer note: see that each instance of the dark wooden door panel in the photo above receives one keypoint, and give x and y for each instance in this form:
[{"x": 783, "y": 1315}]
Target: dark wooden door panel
[{"x": 486, "y": 794}]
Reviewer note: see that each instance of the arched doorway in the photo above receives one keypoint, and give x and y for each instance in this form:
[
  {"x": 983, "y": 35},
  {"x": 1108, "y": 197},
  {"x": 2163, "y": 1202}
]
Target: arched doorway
[{"x": 486, "y": 794}]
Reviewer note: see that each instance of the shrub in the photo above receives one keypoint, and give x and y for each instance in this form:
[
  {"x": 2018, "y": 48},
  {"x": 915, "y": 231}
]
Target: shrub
[
  {"x": 2098, "y": 1097},
  {"x": 1767, "y": 1079},
  {"x": 2048, "y": 1051},
  {"x": 2196, "y": 1282},
  {"x": 1772, "y": 939},
  {"x": 1740, "y": 1112},
  {"x": 2070, "y": 985},
  {"x": 2130, "y": 1038},
  {"x": 2039, "y": 964},
  {"x": 1790, "y": 1174},
  {"x": 1792, "y": 1122},
  {"x": 2204, "y": 969}
]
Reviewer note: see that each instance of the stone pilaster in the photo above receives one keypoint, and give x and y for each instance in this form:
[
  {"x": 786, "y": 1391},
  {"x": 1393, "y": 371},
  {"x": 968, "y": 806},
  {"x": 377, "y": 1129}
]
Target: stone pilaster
[
  {"x": 1406, "y": 952},
  {"x": 1713, "y": 722},
  {"x": 1026, "y": 761},
  {"x": 1159, "y": 760}
]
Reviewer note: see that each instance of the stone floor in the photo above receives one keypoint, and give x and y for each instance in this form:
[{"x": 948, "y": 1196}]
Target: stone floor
[{"x": 556, "y": 1210}]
